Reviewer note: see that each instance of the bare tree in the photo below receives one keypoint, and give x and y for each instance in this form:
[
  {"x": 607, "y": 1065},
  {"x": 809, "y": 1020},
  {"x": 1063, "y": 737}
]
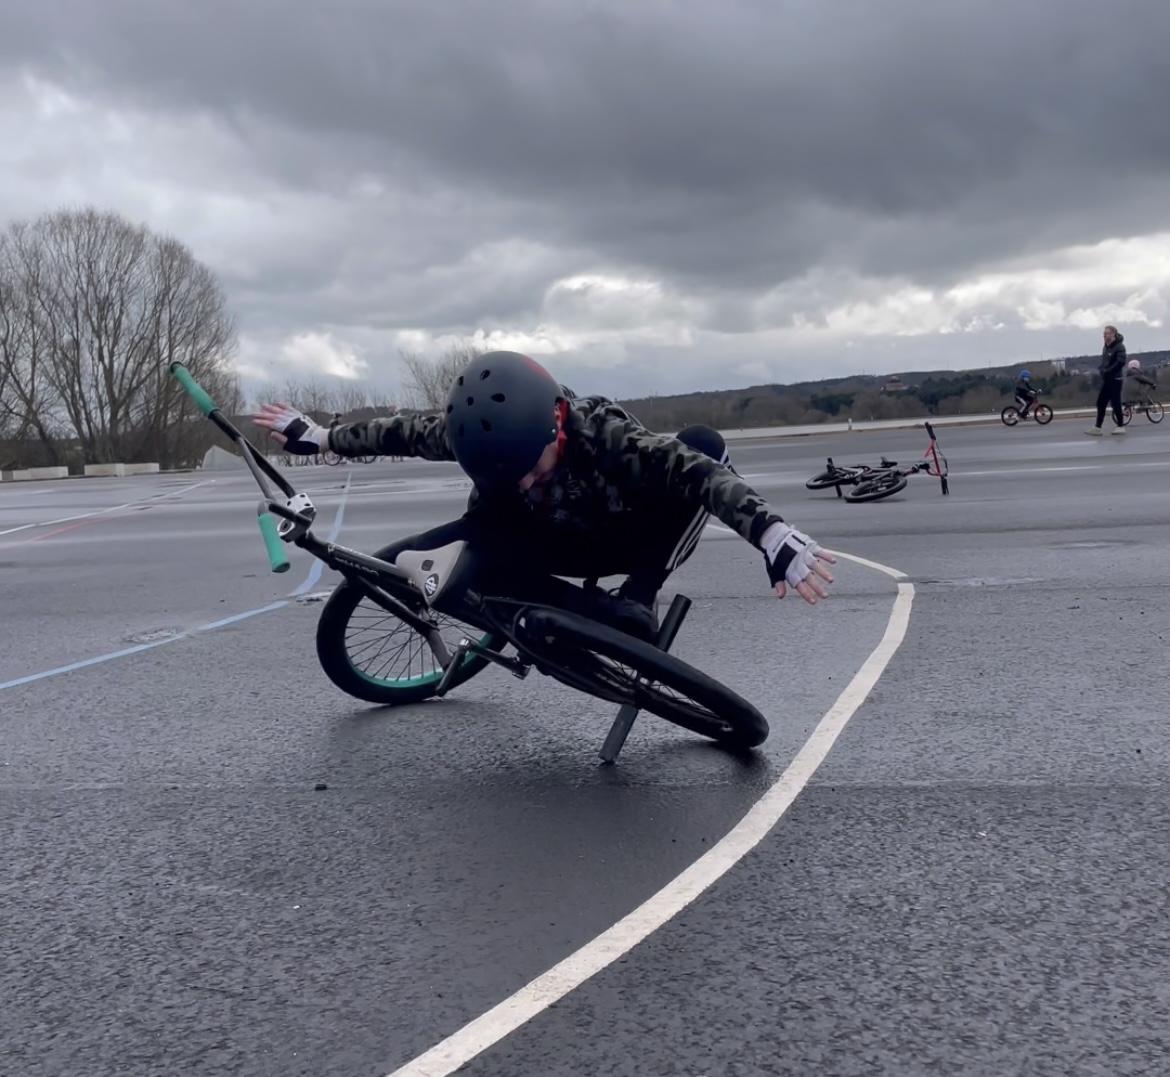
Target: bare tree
[
  {"x": 321, "y": 399},
  {"x": 93, "y": 310},
  {"x": 430, "y": 377}
]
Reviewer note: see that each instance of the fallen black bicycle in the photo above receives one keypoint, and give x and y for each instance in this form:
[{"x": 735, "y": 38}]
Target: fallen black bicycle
[
  {"x": 869, "y": 482},
  {"x": 383, "y": 612}
]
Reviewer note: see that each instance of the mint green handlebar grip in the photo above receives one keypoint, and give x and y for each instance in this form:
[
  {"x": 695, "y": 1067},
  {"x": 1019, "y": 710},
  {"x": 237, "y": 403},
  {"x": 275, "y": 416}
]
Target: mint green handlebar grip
[
  {"x": 277, "y": 559},
  {"x": 202, "y": 401}
]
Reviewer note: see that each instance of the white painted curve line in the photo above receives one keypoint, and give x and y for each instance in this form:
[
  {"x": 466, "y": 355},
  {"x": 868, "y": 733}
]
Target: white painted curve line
[
  {"x": 869, "y": 564},
  {"x": 537, "y": 996}
]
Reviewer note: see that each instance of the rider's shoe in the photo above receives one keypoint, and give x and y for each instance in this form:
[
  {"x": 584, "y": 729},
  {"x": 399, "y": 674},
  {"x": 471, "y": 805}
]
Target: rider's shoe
[
  {"x": 1118, "y": 430},
  {"x": 1094, "y": 431}
]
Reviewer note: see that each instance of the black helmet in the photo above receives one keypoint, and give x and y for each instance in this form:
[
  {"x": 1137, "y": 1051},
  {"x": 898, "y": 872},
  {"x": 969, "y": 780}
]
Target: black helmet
[{"x": 501, "y": 417}]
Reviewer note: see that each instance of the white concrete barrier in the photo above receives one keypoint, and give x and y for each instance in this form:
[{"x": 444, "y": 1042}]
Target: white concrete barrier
[
  {"x": 106, "y": 471},
  {"x": 140, "y": 469},
  {"x": 48, "y": 472}
]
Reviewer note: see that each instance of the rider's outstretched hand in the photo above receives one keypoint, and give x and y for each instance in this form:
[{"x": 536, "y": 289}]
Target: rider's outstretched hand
[
  {"x": 794, "y": 560},
  {"x": 296, "y": 432}
]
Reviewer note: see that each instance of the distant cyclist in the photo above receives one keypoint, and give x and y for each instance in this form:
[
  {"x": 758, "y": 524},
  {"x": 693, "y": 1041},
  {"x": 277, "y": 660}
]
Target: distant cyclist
[
  {"x": 1139, "y": 386},
  {"x": 572, "y": 486},
  {"x": 1025, "y": 393}
]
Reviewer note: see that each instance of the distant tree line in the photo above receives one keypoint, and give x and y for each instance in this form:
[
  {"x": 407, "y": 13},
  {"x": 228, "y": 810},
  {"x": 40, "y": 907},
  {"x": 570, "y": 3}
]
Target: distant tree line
[
  {"x": 969, "y": 392},
  {"x": 92, "y": 311}
]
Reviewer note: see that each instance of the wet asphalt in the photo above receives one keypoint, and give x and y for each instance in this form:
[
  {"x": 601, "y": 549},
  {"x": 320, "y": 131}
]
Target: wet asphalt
[{"x": 974, "y": 882}]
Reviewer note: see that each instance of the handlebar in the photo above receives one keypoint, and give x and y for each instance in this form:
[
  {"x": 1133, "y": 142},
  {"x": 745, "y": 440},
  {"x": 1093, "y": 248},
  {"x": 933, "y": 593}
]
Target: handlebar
[{"x": 262, "y": 471}]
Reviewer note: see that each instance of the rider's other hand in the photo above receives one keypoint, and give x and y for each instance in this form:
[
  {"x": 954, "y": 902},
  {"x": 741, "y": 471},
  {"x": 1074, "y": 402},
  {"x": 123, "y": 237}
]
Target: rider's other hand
[
  {"x": 810, "y": 588},
  {"x": 797, "y": 561},
  {"x": 291, "y": 429}
]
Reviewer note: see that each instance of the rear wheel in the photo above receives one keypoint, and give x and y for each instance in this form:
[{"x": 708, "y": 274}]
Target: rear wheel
[
  {"x": 1155, "y": 413},
  {"x": 370, "y": 654},
  {"x": 610, "y": 665},
  {"x": 1010, "y": 415},
  {"x": 1043, "y": 414},
  {"x": 1126, "y": 414},
  {"x": 828, "y": 479},
  {"x": 875, "y": 489}
]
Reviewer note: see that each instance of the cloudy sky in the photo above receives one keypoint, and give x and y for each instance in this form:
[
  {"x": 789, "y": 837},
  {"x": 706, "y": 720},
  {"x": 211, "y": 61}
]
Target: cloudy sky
[{"x": 653, "y": 195}]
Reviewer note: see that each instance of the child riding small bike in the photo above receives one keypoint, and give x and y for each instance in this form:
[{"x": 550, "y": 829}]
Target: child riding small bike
[
  {"x": 1139, "y": 386},
  {"x": 1026, "y": 394}
]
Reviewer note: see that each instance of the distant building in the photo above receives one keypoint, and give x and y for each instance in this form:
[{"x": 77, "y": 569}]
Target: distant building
[{"x": 894, "y": 384}]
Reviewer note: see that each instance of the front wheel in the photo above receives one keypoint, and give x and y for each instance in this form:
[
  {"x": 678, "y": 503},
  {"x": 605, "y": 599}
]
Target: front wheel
[
  {"x": 875, "y": 489},
  {"x": 1010, "y": 415},
  {"x": 613, "y": 666},
  {"x": 1043, "y": 414},
  {"x": 1155, "y": 412},
  {"x": 371, "y": 655},
  {"x": 1126, "y": 414}
]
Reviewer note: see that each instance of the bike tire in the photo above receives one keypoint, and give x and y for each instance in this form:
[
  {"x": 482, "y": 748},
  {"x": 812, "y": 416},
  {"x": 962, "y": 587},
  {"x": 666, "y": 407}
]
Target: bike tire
[
  {"x": 1126, "y": 414},
  {"x": 1043, "y": 414},
  {"x": 1010, "y": 415},
  {"x": 711, "y": 709},
  {"x": 338, "y": 663},
  {"x": 876, "y": 489},
  {"x": 1155, "y": 412},
  {"x": 331, "y": 458},
  {"x": 826, "y": 480}
]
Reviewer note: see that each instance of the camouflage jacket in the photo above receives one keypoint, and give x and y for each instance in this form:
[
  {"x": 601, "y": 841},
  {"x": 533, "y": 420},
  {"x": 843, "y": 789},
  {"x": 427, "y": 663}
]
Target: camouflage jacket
[{"x": 611, "y": 465}]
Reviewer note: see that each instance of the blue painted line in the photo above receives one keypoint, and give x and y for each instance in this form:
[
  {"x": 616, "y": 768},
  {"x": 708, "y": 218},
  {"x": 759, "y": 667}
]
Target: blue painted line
[
  {"x": 233, "y": 619},
  {"x": 310, "y": 580},
  {"x": 319, "y": 565},
  {"x": 88, "y": 662},
  {"x": 142, "y": 646}
]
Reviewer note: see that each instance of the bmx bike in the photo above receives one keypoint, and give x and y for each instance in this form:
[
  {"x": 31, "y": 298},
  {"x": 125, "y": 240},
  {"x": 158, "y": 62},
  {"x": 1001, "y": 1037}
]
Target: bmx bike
[
  {"x": 422, "y": 592},
  {"x": 1153, "y": 411},
  {"x": 1012, "y": 416},
  {"x": 870, "y": 483}
]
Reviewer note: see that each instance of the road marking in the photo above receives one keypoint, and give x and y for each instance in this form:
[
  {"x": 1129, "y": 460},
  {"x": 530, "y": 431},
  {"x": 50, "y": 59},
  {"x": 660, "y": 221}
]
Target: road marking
[
  {"x": 313, "y": 576},
  {"x": 869, "y": 564},
  {"x": 537, "y": 996},
  {"x": 141, "y": 647},
  {"x": 113, "y": 508}
]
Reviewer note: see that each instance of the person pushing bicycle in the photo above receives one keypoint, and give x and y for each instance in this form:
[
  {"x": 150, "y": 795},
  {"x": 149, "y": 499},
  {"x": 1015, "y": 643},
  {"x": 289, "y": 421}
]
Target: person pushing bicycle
[{"x": 572, "y": 486}]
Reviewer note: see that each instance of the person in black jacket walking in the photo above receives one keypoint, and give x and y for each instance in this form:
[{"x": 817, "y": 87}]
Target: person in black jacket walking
[{"x": 1112, "y": 371}]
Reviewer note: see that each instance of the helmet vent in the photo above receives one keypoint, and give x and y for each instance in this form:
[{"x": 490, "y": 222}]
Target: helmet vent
[
  {"x": 487, "y": 427},
  {"x": 498, "y": 397},
  {"x": 450, "y": 408},
  {"x": 484, "y": 374},
  {"x": 470, "y": 401}
]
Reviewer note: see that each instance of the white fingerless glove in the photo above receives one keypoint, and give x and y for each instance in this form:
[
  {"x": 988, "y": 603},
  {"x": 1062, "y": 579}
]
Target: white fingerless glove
[
  {"x": 302, "y": 436},
  {"x": 789, "y": 554}
]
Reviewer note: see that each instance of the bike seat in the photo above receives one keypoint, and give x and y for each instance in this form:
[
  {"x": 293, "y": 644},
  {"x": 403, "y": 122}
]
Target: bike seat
[{"x": 889, "y": 463}]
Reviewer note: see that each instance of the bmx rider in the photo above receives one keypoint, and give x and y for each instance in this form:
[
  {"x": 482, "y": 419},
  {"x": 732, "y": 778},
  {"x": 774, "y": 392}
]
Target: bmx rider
[{"x": 572, "y": 486}]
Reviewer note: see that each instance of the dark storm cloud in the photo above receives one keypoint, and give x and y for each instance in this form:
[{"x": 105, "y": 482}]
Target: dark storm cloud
[{"x": 721, "y": 145}]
